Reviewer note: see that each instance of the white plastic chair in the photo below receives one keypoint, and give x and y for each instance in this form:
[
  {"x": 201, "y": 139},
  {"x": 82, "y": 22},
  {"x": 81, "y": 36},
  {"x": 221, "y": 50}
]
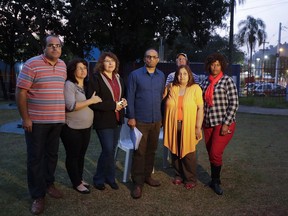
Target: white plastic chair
[
  {"x": 166, "y": 152},
  {"x": 125, "y": 143},
  {"x": 127, "y": 146}
]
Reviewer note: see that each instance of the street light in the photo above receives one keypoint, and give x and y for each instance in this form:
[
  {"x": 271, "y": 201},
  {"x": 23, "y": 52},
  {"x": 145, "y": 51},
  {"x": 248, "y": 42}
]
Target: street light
[
  {"x": 258, "y": 66},
  {"x": 253, "y": 69},
  {"x": 277, "y": 56},
  {"x": 263, "y": 68},
  {"x": 279, "y": 50}
]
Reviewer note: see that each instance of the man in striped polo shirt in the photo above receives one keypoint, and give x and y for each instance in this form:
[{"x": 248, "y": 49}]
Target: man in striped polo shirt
[{"x": 40, "y": 100}]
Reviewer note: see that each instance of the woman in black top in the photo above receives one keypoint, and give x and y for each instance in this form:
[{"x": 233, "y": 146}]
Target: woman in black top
[{"x": 108, "y": 115}]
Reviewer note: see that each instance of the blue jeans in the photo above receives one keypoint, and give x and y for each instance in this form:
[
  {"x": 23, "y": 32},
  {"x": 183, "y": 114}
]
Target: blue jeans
[
  {"x": 42, "y": 155},
  {"x": 105, "y": 171}
]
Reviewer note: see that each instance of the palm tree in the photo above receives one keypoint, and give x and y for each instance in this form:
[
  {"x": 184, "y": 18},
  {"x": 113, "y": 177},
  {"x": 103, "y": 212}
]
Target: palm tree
[
  {"x": 231, "y": 32},
  {"x": 251, "y": 30}
]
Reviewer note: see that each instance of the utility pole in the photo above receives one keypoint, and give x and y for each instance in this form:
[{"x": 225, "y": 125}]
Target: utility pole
[
  {"x": 263, "y": 61},
  {"x": 161, "y": 50},
  {"x": 278, "y": 56},
  {"x": 231, "y": 36}
]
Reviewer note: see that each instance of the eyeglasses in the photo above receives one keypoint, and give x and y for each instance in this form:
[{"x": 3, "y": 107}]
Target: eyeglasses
[
  {"x": 151, "y": 57},
  {"x": 81, "y": 68},
  {"x": 109, "y": 61},
  {"x": 54, "y": 46}
]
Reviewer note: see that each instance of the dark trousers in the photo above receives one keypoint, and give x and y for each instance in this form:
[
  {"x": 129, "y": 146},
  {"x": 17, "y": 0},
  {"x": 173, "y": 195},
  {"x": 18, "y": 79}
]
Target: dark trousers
[
  {"x": 76, "y": 142},
  {"x": 216, "y": 143},
  {"x": 42, "y": 155},
  {"x": 143, "y": 157},
  {"x": 185, "y": 168},
  {"x": 105, "y": 171}
]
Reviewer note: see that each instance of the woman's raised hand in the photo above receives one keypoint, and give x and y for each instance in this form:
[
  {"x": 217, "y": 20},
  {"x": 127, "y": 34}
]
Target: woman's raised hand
[{"x": 95, "y": 99}]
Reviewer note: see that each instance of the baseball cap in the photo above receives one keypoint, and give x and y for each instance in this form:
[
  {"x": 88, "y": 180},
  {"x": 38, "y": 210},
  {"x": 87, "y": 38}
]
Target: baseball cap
[{"x": 183, "y": 54}]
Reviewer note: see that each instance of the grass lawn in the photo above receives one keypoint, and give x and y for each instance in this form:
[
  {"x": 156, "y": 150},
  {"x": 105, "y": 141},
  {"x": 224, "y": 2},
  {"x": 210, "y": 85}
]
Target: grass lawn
[
  {"x": 267, "y": 102},
  {"x": 254, "y": 178}
]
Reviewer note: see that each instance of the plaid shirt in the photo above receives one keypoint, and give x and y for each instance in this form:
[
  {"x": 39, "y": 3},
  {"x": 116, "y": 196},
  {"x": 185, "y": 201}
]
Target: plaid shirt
[{"x": 225, "y": 100}]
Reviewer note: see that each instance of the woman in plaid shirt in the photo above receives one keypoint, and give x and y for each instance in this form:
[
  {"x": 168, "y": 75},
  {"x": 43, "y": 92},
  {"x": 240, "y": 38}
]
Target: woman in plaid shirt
[{"x": 220, "y": 106}]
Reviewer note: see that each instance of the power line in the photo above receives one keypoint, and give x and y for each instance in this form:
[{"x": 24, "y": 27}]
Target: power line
[
  {"x": 261, "y": 6},
  {"x": 271, "y": 8}
]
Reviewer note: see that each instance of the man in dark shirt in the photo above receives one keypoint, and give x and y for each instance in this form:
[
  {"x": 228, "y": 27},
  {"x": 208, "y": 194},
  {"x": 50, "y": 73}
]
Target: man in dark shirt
[{"x": 144, "y": 96}]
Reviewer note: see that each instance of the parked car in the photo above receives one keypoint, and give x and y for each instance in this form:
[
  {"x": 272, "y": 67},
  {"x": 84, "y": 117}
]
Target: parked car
[
  {"x": 263, "y": 89},
  {"x": 269, "y": 89},
  {"x": 278, "y": 90},
  {"x": 249, "y": 88}
]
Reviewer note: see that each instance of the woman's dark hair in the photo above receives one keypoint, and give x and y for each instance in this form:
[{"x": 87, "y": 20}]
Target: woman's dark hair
[
  {"x": 213, "y": 58},
  {"x": 99, "y": 67},
  {"x": 191, "y": 80},
  {"x": 71, "y": 68}
]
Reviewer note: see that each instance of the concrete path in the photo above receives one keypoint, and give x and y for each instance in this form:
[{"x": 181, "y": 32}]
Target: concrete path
[
  {"x": 8, "y": 106},
  {"x": 264, "y": 111},
  {"x": 11, "y": 127},
  {"x": 15, "y": 126}
]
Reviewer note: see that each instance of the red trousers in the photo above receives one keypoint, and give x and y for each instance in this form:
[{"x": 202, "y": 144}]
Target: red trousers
[{"x": 216, "y": 143}]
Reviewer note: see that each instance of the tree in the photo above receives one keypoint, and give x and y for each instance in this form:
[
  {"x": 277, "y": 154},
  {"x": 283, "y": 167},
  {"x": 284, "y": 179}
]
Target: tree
[
  {"x": 78, "y": 28},
  {"x": 125, "y": 27},
  {"x": 251, "y": 30},
  {"x": 199, "y": 54},
  {"x": 129, "y": 27},
  {"x": 23, "y": 24},
  {"x": 27, "y": 22},
  {"x": 231, "y": 32}
]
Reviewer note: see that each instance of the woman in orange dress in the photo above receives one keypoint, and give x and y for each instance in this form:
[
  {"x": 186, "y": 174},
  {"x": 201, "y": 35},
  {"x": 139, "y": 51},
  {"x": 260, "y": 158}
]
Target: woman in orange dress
[{"x": 182, "y": 125}]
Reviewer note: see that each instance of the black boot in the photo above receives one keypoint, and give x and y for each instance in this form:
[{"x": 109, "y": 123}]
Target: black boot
[
  {"x": 215, "y": 183},
  {"x": 216, "y": 187}
]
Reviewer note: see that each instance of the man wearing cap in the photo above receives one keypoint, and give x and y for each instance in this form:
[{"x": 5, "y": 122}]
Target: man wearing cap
[{"x": 181, "y": 59}]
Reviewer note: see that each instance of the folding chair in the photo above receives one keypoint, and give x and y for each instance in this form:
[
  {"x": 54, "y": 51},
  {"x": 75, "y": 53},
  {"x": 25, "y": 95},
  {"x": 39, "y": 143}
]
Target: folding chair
[{"x": 127, "y": 146}]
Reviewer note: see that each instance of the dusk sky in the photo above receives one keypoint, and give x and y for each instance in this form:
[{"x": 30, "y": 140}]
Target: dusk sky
[{"x": 272, "y": 12}]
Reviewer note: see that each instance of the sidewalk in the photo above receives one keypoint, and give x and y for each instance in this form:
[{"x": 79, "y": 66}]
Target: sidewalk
[
  {"x": 11, "y": 127},
  {"x": 15, "y": 127},
  {"x": 263, "y": 111}
]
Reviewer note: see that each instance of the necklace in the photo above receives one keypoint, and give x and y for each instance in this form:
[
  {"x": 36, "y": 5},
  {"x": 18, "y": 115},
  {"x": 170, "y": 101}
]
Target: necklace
[{"x": 80, "y": 89}]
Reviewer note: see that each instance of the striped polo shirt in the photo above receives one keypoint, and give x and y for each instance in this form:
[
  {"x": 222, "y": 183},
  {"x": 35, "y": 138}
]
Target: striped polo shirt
[{"x": 45, "y": 85}]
